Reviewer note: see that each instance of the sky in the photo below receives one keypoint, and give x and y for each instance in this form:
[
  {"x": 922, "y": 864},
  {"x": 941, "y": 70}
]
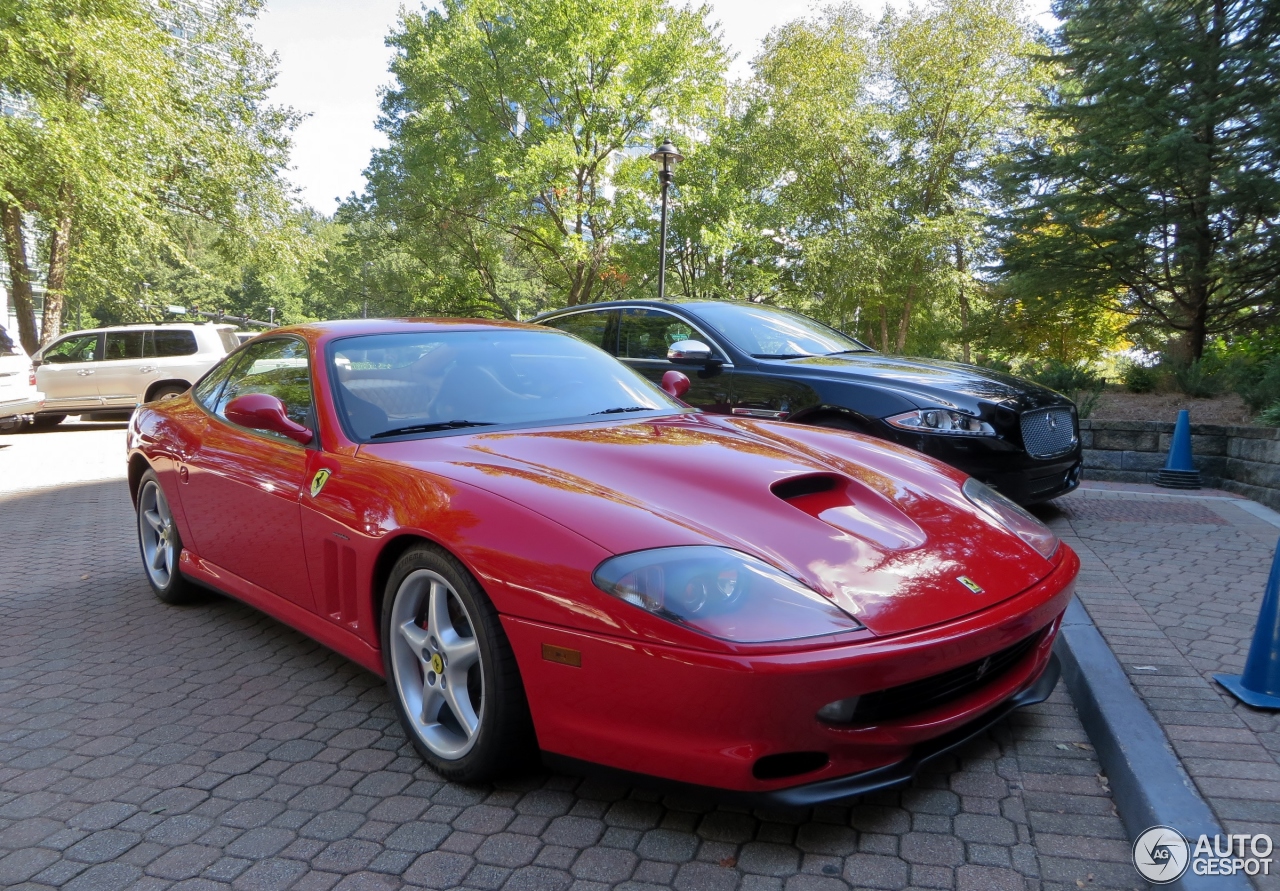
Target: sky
[{"x": 333, "y": 60}]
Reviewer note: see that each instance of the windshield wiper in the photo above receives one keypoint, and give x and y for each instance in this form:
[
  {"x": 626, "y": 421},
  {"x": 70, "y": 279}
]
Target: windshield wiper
[
  {"x": 859, "y": 350},
  {"x": 431, "y": 428},
  {"x": 618, "y": 411},
  {"x": 781, "y": 356}
]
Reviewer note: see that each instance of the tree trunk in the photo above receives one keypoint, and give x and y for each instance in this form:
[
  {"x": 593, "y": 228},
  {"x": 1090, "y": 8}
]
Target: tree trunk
[
  {"x": 904, "y": 321},
  {"x": 964, "y": 304},
  {"x": 15, "y": 253},
  {"x": 884, "y": 328},
  {"x": 55, "y": 294}
]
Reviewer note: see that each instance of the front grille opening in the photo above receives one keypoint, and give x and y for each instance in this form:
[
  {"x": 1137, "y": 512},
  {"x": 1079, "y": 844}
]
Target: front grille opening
[
  {"x": 1048, "y": 432},
  {"x": 788, "y": 764},
  {"x": 799, "y": 486},
  {"x": 926, "y": 693}
]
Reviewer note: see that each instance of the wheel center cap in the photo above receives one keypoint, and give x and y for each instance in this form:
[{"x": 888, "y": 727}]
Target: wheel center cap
[{"x": 437, "y": 663}]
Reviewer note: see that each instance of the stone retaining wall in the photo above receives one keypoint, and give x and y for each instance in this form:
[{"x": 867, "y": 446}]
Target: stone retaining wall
[{"x": 1244, "y": 460}]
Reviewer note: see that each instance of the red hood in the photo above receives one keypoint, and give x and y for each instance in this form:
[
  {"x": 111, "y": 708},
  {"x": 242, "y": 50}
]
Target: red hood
[{"x": 889, "y": 544}]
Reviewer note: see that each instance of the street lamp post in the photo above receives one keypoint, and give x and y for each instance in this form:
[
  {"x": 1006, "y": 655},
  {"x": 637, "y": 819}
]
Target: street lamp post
[{"x": 668, "y": 156}]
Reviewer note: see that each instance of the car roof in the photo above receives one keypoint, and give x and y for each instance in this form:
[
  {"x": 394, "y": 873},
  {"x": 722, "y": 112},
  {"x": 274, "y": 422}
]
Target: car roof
[
  {"x": 184, "y": 326},
  {"x": 646, "y": 301},
  {"x": 346, "y": 327}
]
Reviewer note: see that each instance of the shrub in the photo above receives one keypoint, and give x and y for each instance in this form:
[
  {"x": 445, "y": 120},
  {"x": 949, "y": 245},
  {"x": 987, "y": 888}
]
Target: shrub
[
  {"x": 1270, "y": 417},
  {"x": 1258, "y": 383},
  {"x": 1078, "y": 382},
  {"x": 1197, "y": 380},
  {"x": 1139, "y": 378}
]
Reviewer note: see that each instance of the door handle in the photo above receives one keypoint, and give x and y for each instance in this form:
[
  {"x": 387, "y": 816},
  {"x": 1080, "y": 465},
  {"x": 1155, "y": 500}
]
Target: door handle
[{"x": 84, "y": 372}]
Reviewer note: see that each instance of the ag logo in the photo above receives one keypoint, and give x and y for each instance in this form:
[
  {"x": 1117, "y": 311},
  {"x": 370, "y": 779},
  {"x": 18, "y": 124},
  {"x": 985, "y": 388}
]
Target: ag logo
[
  {"x": 1161, "y": 855},
  {"x": 970, "y": 584},
  {"x": 318, "y": 481}
]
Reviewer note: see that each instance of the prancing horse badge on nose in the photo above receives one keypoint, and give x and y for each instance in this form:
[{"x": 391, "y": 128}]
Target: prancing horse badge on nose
[
  {"x": 318, "y": 481},
  {"x": 970, "y": 584}
]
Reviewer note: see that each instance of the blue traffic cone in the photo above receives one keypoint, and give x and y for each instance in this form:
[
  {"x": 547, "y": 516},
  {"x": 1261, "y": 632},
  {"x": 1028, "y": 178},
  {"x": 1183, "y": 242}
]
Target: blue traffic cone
[
  {"x": 1179, "y": 470},
  {"x": 1259, "y": 686}
]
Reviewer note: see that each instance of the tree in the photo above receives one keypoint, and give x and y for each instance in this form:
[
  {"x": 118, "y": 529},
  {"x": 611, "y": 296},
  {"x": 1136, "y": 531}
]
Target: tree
[
  {"x": 510, "y": 126},
  {"x": 131, "y": 119},
  {"x": 1163, "y": 188}
]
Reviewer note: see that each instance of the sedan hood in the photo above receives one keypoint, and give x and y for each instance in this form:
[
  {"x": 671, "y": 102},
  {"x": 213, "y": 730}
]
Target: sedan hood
[
  {"x": 882, "y": 531},
  {"x": 930, "y": 381}
]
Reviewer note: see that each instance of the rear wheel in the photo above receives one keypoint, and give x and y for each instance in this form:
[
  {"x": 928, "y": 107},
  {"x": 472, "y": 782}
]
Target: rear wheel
[
  {"x": 450, "y": 670},
  {"x": 48, "y": 420},
  {"x": 160, "y": 544},
  {"x": 167, "y": 392}
]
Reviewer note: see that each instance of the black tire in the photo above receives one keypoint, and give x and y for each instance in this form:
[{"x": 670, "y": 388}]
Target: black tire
[
  {"x": 11, "y": 425},
  {"x": 503, "y": 740},
  {"x": 166, "y": 580},
  {"x": 42, "y": 421},
  {"x": 168, "y": 391}
]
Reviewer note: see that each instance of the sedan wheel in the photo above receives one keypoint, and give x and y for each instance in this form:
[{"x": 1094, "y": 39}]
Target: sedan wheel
[
  {"x": 160, "y": 543},
  {"x": 451, "y": 671}
]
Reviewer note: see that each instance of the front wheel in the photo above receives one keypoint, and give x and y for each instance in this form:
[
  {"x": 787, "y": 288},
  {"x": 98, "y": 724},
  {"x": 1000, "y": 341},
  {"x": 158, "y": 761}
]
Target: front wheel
[
  {"x": 450, "y": 670},
  {"x": 160, "y": 544}
]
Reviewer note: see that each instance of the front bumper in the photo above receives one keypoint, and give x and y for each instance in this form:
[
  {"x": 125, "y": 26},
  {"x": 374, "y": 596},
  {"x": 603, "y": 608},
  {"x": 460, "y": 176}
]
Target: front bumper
[
  {"x": 839, "y": 789},
  {"x": 715, "y": 718},
  {"x": 1005, "y": 467}
]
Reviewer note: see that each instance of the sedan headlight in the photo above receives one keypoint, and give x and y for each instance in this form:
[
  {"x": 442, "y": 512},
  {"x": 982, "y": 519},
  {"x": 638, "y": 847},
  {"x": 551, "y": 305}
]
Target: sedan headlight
[
  {"x": 941, "y": 420},
  {"x": 721, "y": 593},
  {"x": 1013, "y": 517}
]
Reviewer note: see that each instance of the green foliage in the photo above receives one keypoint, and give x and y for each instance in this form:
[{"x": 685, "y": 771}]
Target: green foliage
[
  {"x": 1159, "y": 192},
  {"x": 1270, "y": 417},
  {"x": 1196, "y": 379},
  {"x": 133, "y": 122},
  {"x": 1076, "y": 380},
  {"x": 1139, "y": 378}
]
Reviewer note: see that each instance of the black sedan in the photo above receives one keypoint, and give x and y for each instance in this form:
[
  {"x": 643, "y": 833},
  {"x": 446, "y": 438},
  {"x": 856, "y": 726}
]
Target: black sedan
[{"x": 764, "y": 362}]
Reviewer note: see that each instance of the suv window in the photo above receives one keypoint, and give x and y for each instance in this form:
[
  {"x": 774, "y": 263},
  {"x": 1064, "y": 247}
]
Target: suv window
[
  {"x": 647, "y": 333},
  {"x": 228, "y": 338},
  {"x": 277, "y": 367},
  {"x": 124, "y": 344},
  {"x": 171, "y": 342},
  {"x": 75, "y": 348},
  {"x": 589, "y": 326}
]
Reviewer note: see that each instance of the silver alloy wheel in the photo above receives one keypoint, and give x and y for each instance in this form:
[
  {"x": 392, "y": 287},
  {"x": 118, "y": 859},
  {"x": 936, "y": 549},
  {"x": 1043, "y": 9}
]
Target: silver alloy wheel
[
  {"x": 155, "y": 529},
  {"x": 435, "y": 660}
]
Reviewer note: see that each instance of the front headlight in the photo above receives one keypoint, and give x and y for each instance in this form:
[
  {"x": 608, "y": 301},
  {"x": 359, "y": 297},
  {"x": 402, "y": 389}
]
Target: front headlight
[
  {"x": 721, "y": 593},
  {"x": 941, "y": 420},
  {"x": 1013, "y": 517}
]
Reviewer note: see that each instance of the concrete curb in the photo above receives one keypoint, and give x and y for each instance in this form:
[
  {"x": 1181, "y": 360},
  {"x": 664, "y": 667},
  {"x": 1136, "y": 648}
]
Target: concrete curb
[{"x": 1148, "y": 783}]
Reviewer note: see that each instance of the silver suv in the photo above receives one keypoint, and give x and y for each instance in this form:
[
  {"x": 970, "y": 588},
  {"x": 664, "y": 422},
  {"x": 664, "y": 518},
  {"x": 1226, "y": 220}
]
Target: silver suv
[{"x": 117, "y": 369}]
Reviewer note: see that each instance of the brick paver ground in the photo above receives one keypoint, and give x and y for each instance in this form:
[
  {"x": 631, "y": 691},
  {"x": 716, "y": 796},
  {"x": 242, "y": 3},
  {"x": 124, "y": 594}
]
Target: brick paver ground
[
  {"x": 147, "y": 746},
  {"x": 1174, "y": 582}
]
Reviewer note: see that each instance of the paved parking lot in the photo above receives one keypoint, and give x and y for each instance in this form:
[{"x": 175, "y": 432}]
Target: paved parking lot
[{"x": 206, "y": 747}]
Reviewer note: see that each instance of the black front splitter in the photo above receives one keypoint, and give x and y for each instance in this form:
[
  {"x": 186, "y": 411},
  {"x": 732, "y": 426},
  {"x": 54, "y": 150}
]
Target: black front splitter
[{"x": 839, "y": 789}]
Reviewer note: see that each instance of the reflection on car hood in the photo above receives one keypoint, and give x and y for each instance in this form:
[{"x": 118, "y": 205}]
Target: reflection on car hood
[
  {"x": 929, "y": 377},
  {"x": 893, "y": 555}
]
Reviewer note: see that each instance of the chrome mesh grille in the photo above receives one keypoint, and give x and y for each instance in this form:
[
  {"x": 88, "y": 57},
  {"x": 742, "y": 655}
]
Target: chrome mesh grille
[{"x": 1048, "y": 431}]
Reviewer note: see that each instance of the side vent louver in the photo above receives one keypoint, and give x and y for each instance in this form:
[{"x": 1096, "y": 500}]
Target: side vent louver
[{"x": 340, "y": 584}]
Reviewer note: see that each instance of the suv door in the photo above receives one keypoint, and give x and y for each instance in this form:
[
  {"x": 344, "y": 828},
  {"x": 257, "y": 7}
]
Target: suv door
[
  {"x": 122, "y": 374},
  {"x": 67, "y": 372},
  {"x": 244, "y": 487},
  {"x": 644, "y": 335}
]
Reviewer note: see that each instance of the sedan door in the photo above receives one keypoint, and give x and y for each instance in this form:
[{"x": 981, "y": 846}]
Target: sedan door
[
  {"x": 68, "y": 372},
  {"x": 244, "y": 487},
  {"x": 645, "y": 335}
]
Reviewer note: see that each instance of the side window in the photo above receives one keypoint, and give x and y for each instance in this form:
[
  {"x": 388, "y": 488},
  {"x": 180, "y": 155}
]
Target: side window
[
  {"x": 124, "y": 345},
  {"x": 76, "y": 348},
  {"x": 228, "y": 338},
  {"x": 170, "y": 342},
  {"x": 647, "y": 333},
  {"x": 589, "y": 326},
  {"x": 206, "y": 392},
  {"x": 277, "y": 367}
]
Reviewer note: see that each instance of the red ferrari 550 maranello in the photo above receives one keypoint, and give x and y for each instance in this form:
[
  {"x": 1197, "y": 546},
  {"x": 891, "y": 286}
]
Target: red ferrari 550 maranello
[{"x": 541, "y": 550}]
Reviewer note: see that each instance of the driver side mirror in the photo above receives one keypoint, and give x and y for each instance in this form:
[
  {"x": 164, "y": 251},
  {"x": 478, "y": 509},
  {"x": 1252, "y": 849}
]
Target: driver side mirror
[
  {"x": 690, "y": 352},
  {"x": 262, "y": 411}
]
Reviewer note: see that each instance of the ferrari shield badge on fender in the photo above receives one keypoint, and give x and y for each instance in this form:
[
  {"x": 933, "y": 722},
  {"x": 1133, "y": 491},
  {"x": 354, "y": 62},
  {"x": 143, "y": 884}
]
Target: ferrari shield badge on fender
[
  {"x": 318, "y": 481},
  {"x": 964, "y": 579}
]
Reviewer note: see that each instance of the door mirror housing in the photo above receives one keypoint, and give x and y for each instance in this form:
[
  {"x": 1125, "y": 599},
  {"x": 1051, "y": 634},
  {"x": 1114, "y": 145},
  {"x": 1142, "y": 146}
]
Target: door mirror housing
[
  {"x": 691, "y": 352},
  {"x": 675, "y": 384},
  {"x": 262, "y": 411}
]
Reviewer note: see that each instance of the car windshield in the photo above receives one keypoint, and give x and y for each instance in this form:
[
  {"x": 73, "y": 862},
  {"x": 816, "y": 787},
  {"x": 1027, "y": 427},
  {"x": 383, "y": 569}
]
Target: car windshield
[
  {"x": 403, "y": 384},
  {"x": 765, "y": 332}
]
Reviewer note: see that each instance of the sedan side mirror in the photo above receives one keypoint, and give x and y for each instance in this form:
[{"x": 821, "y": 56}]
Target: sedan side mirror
[
  {"x": 675, "y": 384},
  {"x": 690, "y": 352},
  {"x": 262, "y": 411}
]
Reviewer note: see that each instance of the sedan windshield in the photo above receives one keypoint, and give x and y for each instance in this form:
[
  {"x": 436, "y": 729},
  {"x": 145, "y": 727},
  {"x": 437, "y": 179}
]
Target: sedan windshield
[
  {"x": 389, "y": 385},
  {"x": 765, "y": 332}
]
